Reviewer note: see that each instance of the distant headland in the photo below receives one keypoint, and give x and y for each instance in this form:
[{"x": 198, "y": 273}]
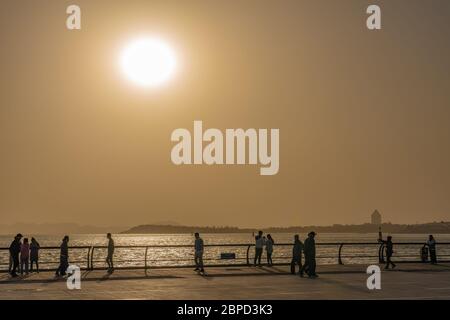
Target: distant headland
[{"x": 433, "y": 227}]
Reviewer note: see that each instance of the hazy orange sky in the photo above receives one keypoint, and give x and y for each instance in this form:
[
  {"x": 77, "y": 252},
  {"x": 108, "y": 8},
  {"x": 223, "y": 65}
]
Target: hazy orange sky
[{"x": 363, "y": 115}]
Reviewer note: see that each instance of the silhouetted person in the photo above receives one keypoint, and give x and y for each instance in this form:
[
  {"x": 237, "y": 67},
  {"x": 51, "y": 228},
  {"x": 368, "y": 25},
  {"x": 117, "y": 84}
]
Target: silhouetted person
[
  {"x": 297, "y": 255},
  {"x": 389, "y": 252},
  {"x": 424, "y": 253},
  {"x": 310, "y": 255},
  {"x": 63, "y": 257},
  {"x": 431, "y": 243},
  {"x": 24, "y": 256},
  {"x": 34, "y": 254},
  {"x": 198, "y": 254},
  {"x": 269, "y": 249},
  {"x": 14, "y": 251},
  {"x": 259, "y": 246},
  {"x": 109, "y": 257}
]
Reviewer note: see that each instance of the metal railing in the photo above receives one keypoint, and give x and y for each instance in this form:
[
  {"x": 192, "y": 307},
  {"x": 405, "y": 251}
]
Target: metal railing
[{"x": 140, "y": 256}]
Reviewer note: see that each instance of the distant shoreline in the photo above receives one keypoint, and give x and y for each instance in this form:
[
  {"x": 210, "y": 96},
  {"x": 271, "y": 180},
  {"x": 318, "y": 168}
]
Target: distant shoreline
[
  {"x": 60, "y": 229},
  {"x": 428, "y": 228}
]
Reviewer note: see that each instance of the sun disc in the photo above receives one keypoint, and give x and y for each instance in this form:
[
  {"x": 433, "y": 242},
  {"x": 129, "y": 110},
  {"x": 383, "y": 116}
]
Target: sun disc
[{"x": 148, "y": 62}]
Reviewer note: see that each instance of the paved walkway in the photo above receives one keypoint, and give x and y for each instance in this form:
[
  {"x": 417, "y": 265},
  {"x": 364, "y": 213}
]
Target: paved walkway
[{"x": 407, "y": 281}]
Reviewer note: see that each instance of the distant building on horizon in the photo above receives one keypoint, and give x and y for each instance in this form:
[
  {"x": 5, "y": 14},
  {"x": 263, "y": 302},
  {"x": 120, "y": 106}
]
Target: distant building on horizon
[{"x": 376, "y": 218}]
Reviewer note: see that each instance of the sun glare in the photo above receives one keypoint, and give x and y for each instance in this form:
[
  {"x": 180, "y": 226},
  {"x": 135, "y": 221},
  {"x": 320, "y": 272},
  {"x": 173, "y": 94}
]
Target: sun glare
[{"x": 148, "y": 62}]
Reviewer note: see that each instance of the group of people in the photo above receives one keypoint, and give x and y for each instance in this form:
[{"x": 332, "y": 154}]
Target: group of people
[
  {"x": 308, "y": 249},
  {"x": 260, "y": 242},
  {"x": 429, "y": 246},
  {"x": 23, "y": 255}
]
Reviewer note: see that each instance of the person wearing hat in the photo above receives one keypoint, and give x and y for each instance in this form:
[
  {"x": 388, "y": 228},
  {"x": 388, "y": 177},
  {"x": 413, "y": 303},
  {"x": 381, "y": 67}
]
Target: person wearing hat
[
  {"x": 14, "y": 251},
  {"x": 310, "y": 255}
]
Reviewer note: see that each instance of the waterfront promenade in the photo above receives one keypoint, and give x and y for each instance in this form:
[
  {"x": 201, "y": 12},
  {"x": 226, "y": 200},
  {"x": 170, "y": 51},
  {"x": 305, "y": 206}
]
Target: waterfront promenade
[{"x": 407, "y": 281}]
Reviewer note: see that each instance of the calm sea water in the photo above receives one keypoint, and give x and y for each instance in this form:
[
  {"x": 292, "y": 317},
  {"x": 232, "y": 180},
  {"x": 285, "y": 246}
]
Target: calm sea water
[{"x": 182, "y": 256}]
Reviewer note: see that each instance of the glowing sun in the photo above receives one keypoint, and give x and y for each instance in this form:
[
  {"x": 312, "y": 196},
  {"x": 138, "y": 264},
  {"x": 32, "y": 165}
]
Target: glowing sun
[{"x": 148, "y": 62}]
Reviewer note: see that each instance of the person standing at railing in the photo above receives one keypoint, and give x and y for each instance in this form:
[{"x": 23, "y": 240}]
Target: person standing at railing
[
  {"x": 259, "y": 247},
  {"x": 14, "y": 251},
  {"x": 269, "y": 249},
  {"x": 198, "y": 254},
  {"x": 431, "y": 243},
  {"x": 297, "y": 255},
  {"x": 109, "y": 257},
  {"x": 34, "y": 254},
  {"x": 24, "y": 256},
  {"x": 63, "y": 257},
  {"x": 389, "y": 251}
]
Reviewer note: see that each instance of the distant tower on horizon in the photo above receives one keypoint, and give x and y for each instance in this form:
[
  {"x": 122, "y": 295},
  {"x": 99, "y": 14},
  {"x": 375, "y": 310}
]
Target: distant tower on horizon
[{"x": 376, "y": 218}]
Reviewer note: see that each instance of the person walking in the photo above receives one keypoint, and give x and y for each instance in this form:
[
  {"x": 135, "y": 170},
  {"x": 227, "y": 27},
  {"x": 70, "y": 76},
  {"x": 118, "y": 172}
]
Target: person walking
[
  {"x": 259, "y": 246},
  {"x": 109, "y": 257},
  {"x": 297, "y": 250},
  {"x": 431, "y": 243},
  {"x": 269, "y": 249},
  {"x": 34, "y": 254},
  {"x": 310, "y": 255},
  {"x": 14, "y": 251},
  {"x": 389, "y": 251},
  {"x": 63, "y": 257},
  {"x": 24, "y": 256},
  {"x": 198, "y": 254}
]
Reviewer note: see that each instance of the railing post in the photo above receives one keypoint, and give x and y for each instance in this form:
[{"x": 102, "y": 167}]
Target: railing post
[
  {"x": 381, "y": 253},
  {"x": 88, "y": 258},
  {"x": 92, "y": 258},
  {"x": 248, "y": 250},
  {"x": 339, "y": 257},
  {"x": 145, "y": 266}
]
